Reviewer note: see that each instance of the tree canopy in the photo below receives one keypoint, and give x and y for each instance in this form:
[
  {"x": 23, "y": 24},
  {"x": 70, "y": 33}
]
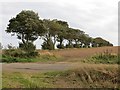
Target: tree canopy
[{"x": 28, "y": 27}]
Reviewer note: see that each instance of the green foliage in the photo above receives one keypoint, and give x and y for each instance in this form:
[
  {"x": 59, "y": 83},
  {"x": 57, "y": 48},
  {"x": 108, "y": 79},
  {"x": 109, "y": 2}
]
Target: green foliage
[
  {"x": 106, "y": 58},
  {"x": 76, "y": 45},
  {"x": 19, "y": 53},
  {"x": 48, "y": 45},
  {"x": 69, "y": 46},
  {"x": 99, "y": 42},
  {"x": 28, "y": 27},
  {"x": 14, "y": 53},
  {"x": 9, "y": 59},
  {"x": 27, "y": 47},
  {"x": 54, "y": 32},
  {"x": 43, "y": 58},
  {"x": 60, "y": 46}
]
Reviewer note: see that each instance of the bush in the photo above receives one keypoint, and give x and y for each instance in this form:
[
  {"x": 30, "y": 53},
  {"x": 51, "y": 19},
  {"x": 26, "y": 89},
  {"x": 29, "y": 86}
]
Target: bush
[
  {"x": 48, "y": 46},
  {"x": 14, "y": 52},
  {"x": 106, "y": 57},
  {"x": 19, "y": 53},
  {"x": 27, "y": 47},
  {"x": 32, "y": 54},
  {"x": 42, "y": 58},
  {"x": 69, "y": 46},
  {"x": 60, "y": 46},
  {"x": 10, "y": 59},
  {"x": 76, "y": 46}
]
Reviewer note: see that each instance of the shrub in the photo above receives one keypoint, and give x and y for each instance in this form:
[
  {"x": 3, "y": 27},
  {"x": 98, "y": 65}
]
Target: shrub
[
  {"x": 19, "y": 53},
  {"x": 27, "y": 47},
  {"x": 60, "y": 46},
  {"x": 10, "y": 59},
  {"x": 32, "y": 54},
  {"x": 69, "y": 46},
  {"x": 106, "y": 57},
  {"x": 76, "y": 46},
  {"x": 48, "y": 46},
  {"x": 14, "y": 52}
]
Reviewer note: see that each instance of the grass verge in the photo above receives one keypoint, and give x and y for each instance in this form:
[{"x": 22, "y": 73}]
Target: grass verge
[
  {"x": 42, "y": 58},
  {"x": 87, "y": 77}
]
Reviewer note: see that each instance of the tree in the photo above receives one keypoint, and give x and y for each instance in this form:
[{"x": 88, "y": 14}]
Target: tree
[
  {"x": 73, "y": 35},
  {"x": 27, "y": 26},
  {"x": 99, "y": 42},
  {"x": 47, "y": 37},
  {"x": 48, "y": 45},
  {"x": 87, "y": 40},
  {"x": 69, "y": 37},
  {"x": 54, "y": 30},
  {"x": 77, "y": 37},
  {"x": 61, "y": 33}
]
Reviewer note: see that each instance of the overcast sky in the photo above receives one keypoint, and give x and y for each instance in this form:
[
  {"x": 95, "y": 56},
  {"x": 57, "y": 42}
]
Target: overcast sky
[{"x": 98, "y": 18}]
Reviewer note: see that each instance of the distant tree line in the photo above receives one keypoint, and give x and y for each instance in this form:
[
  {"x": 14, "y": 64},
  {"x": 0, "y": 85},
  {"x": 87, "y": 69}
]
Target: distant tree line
[{"x": 28, "y": 27}]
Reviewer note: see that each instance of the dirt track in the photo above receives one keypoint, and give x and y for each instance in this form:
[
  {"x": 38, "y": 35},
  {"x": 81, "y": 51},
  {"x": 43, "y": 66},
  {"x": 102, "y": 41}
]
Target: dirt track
[{"x": 35, "y": 67}]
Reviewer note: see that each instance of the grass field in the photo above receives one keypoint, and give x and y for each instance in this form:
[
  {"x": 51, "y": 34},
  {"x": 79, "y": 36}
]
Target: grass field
[{"x": 90, "y": 70}]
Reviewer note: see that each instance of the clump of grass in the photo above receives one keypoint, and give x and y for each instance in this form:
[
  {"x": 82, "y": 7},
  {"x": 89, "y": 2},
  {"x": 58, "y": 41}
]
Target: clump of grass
[{"x": 107, "y": 57}]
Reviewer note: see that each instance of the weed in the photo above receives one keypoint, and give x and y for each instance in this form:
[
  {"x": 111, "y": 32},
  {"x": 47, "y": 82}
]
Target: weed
[{"x": 107, "y": 57}]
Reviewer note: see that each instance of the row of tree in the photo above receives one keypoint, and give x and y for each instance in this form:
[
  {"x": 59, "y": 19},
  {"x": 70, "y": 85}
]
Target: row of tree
[{"x": 29, "y": 27}]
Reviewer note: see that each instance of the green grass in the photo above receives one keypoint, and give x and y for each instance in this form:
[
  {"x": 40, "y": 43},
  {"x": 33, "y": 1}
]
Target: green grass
[
  {"x": 18, "y": 55},
  {"x": 103, "y": 58},
  {"x": 22, "y": 80},
  {"x": 76, "y": 78},
  {"x": 42, "y": 58}
]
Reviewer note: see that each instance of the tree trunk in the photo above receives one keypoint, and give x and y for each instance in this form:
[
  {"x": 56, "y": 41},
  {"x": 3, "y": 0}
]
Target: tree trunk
[{"x": 61, "y": 40}]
